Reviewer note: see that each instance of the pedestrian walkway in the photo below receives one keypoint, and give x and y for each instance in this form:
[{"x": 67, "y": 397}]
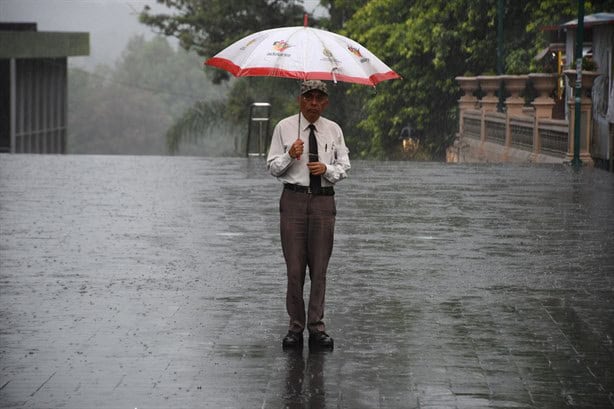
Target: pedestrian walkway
[{"x": 158, "y": 282}]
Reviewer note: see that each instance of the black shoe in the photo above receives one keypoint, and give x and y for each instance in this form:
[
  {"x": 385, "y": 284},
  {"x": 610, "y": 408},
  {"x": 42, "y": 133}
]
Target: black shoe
[
  {"x": 320, "y": 339},
  {"x": 292, "y": 340}
]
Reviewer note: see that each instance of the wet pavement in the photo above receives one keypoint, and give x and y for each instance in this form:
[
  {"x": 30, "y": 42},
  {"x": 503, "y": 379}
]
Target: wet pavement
[{"x": 149, "y": 282}]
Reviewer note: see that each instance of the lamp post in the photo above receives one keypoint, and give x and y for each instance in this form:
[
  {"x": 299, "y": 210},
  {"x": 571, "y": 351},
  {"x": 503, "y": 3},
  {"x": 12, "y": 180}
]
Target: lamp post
[
  {"x": 576, "y": 162},
  {"x": 500, "y": 55},
  {"x": 500, "y": 51}
]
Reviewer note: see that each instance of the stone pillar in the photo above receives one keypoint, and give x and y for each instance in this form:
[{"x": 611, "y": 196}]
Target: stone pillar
[
  {"x": 544, "y": 84},
  {"x": 514, "y": 84},
  {"x": 489, "y": 84},
  {"x": 468, "y": 100}
]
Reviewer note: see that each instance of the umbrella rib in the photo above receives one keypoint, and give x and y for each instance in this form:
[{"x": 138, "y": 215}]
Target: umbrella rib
[{"x": 329, "y": 56}]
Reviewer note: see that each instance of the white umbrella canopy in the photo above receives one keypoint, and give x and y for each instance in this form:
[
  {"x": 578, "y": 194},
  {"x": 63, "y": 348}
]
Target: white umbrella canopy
[{"x": 302, "y": 53}]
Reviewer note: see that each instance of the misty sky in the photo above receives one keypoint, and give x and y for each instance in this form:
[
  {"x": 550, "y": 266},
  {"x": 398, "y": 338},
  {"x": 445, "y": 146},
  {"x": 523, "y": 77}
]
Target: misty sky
[{"x": 111, "y": 23}]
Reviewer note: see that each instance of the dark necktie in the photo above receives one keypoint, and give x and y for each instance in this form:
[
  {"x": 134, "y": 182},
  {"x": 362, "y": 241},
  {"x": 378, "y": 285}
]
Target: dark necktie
[{"x": 314, "y": 181}]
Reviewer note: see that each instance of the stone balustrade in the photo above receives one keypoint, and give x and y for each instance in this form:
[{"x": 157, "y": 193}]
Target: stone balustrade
[{"x": 524, "y": 130}]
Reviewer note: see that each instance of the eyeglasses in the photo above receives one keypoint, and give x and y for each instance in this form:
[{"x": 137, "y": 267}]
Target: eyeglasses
[{"x": 314, "y": 96}]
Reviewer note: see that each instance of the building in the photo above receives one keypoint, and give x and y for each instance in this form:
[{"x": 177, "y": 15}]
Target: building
[
  {"x": 598, "y": 45},
  {"x": 33, "y": 87}
]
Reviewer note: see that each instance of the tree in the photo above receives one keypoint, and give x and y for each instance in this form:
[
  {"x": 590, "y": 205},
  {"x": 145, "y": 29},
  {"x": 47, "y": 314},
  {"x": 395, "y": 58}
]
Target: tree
[
  {"x": 207, "y": 26},
  {"x": 109, "y": 118},
  {"x": 340, "y": 11},
  {"x": 430, "y": 42},
  {"x": 176, "y": 76},
  {"x": 129, "y": 108},
  {"x": 417, "y": 41}
]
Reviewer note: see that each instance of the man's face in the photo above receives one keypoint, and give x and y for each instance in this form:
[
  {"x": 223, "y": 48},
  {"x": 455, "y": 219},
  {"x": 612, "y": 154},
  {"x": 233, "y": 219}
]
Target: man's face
[{"x": 312, "y": 104}]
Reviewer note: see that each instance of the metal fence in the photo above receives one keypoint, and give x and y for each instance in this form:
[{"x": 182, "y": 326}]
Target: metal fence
[
  {"x": 522, "y": 133},
  {"x": 552, "y": 134},
  {"x": 554, "y": 137},
  {"x": 472, "y": 124},
  {"x": 495, "y": 127}
]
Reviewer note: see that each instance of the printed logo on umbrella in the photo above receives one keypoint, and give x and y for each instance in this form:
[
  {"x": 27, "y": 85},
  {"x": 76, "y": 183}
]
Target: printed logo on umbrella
[
  {"x": 357, "y": 53},
  {"x": 280, "y": 46}
]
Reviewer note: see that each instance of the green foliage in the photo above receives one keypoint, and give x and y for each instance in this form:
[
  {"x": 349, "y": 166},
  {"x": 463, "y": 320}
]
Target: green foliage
[
  {"x": 588, "y": 64},
  {"x": 204, "y": 124},
  {"x": 517, "y": 62},
  {"x": 425, "y": 42},
  {"x": 280, "y": 93},
  {"x": 105, "y": 117},
  {"x": 177, "y": 77},
  {"x": 340, "y": 11}
]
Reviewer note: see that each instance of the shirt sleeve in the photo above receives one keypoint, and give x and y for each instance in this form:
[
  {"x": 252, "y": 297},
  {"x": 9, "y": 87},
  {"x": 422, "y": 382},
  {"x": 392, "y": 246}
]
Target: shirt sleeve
[
  {"x": 341, "y": 164},
  {"x": 278, "y": 160}
]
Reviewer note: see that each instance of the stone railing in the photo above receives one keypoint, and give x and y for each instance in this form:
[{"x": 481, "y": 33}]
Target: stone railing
[{"x": 522, "y": 132}]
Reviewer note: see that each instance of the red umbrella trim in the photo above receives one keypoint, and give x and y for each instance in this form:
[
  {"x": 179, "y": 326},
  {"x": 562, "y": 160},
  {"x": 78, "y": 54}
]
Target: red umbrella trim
[{"x": 275, "y": 72}]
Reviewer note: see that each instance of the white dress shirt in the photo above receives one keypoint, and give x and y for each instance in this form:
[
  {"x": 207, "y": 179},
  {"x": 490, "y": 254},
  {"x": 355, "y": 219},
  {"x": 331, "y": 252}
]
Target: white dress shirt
[{"x": 331, "y": 151}]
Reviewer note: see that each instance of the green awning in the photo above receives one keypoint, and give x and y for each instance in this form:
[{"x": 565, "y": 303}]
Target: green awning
[{"x": 43, "y": 44}]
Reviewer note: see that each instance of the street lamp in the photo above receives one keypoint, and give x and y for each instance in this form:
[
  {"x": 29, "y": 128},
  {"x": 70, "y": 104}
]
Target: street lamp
[{"x": 576, "y": 162}]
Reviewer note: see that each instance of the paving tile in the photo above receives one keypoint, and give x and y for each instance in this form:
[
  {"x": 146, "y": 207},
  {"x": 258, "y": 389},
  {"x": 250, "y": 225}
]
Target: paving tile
[{"x": 154, "y": 282}]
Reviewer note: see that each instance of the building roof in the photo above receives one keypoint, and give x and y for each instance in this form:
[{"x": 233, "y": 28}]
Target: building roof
[
  {"x": 21, "y": 40},
  {"x": 591, "y": 20}
]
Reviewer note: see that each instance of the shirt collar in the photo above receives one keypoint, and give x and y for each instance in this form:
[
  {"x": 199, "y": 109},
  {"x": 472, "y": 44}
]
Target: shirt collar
[{"x": 305, "y": 123}]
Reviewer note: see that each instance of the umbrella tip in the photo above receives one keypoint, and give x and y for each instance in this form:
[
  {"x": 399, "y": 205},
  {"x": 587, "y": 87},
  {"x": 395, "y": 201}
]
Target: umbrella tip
[{"x": 305, "y": 18}]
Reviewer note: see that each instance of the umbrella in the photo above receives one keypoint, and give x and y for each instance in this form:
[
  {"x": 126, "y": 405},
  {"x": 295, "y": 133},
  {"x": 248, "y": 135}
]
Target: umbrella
[{"x": 302, "y": 53}]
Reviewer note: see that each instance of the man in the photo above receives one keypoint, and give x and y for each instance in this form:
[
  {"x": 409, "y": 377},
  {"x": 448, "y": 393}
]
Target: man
[{"x": 308, "y": 165}]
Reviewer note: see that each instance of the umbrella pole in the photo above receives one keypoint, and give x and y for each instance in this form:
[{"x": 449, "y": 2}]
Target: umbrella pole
[
  {"x": 305, "y": 21},
  {"x": 298, "y": 136}
]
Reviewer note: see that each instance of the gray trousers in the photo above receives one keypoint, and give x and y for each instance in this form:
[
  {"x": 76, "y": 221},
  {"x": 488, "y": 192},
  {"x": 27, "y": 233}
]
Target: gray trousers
[{"x": 307, "y": 224}]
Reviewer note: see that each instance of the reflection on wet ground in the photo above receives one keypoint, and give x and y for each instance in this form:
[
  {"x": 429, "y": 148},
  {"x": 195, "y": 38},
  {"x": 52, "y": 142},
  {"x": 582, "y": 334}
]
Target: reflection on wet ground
[{"x": 148, "y": 282}]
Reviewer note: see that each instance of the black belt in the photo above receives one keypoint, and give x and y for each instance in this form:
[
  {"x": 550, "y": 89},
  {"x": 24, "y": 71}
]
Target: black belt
[{"x": 323, "y": 191}]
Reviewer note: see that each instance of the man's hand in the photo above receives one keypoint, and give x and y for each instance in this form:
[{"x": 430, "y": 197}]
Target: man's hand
[
  {"x": 296, "y": 150},
  {"x": 316, "y": 168}
]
